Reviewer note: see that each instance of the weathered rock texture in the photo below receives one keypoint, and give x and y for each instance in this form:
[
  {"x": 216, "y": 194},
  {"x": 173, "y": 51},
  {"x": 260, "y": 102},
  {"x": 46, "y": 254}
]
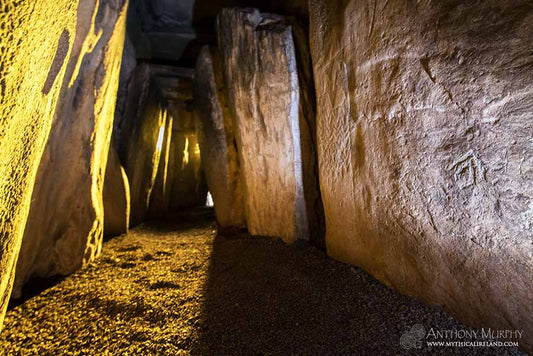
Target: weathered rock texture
[
  {"x": 65, "y": 224},
  {"x": 32, "y": 65},
  {"x": 159, "y": 200},
  {"x": 129, "y": 62},
  {"x": 426, "y": 162},
  {"x": 274, "y": 136},
  {"x": 116, "y": 196},
  {"x": 216, "y": 138},
  {"x": 143, "y": 133}
]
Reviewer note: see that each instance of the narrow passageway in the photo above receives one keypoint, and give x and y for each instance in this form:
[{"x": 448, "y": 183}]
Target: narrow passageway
[
  {"x": 368, "y": 163},
  {"x": 171, "y": 287}
]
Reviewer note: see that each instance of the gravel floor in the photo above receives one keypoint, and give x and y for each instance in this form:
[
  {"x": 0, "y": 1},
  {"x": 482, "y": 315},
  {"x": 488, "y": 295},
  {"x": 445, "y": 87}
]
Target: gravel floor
[{"x": 171, "y": 288}]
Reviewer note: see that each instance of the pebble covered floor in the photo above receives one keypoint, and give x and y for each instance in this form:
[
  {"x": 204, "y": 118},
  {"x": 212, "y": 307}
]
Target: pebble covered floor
[{"x": 173, "y": 287}]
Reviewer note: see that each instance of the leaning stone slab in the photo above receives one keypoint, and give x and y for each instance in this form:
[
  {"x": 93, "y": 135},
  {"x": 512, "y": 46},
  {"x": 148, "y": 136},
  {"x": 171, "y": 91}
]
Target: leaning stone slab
[
  {"x": 216, "y": 138},
  {"x": 65, "y": 224},
  {"x": 33, "y": 65}
]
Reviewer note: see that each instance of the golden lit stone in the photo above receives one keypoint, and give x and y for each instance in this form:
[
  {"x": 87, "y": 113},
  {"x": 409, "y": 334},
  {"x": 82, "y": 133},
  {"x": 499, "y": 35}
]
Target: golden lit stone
[
  {"x": 65, "y": 224},
  {"x": 36, "y": 40}
]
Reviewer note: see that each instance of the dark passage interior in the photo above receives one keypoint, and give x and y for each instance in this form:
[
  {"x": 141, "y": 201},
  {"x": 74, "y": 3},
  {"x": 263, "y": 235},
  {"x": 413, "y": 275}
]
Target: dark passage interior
[{"x": 266, "y": 177}]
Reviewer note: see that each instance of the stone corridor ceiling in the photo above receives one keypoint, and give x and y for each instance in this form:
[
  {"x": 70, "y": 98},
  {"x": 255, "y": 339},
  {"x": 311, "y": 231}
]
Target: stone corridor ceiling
[{"x": 173, "y": 31}]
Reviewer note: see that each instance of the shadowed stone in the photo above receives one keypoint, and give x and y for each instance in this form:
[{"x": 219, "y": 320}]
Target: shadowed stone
[
  {"x": 129, "y": 62},
  {"x": 188, "y": 182},
  {"x": 274, "y": 135}
]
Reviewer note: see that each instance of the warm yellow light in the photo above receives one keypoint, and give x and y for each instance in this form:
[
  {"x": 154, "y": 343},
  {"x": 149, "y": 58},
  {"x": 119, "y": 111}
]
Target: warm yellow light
[
  {"x": 186, "y": 153},
  {"x": 160, "y": 138},
  {"x": 197, "y": 149}
]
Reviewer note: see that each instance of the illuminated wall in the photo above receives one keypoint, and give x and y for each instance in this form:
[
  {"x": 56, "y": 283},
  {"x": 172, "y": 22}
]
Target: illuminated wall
[
  {"x": 65, "y": 225},
  {"x": 27, "y": 107},
  {"x": 37, "y": 39},
  {"x": 426, "y": 160},
  {"x": 159, "y": 200}
]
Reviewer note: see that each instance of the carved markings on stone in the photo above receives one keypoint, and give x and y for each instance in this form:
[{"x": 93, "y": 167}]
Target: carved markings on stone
[{"x": 468, "y": 170}]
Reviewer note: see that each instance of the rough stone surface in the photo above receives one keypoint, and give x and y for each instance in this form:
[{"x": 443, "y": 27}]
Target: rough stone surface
[
  {"x": 260, "y": 66},
  {"x": 160, "y": 197},
  {"x": 143, "y": 134},
  {"x": 32, "y": 65},
  {"x": 65, "y": 223},
  {"x": 216, "y": 138},
  {"x": 116, "y": 196},
  {"x": 426, "y": 163},
  {"x": 129, "y": 62}
]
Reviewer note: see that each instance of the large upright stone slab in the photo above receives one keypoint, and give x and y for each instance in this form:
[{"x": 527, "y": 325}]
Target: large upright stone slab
[
  {"x": 116, "y": 196},
  {"x": 65, "y": 224},
  {"x": 142, "y": 137},
  {"x": 426, "y": 163},
  {"x": 216, "y": 138},
  {"x": 159, "y": 199},
  {"x": 33, "y": 65},
  {"x": 274, "y": 137}
]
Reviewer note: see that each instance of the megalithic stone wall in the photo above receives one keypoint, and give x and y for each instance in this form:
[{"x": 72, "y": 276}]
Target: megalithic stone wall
[
  {"x": 159, "y": 202},
  {"x": 65, "y": 224},
  {"x": 216, "y": 137},
  {"x": 261, "y": 73},
  {"x": 33, "y": 64},
  {"x": 142, "y": 136},
  {"x": 426, "y": 163}
]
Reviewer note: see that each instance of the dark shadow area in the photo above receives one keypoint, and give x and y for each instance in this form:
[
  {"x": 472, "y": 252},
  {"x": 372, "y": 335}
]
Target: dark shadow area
[
  {"x": 34, "y": 287},
  {"x": 182, "y": 220},
  {"x": 265, "y": 297}
]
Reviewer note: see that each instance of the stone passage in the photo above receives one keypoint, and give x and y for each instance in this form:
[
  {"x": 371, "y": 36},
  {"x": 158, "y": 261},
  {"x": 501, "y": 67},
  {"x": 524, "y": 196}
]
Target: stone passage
[
  {"x": 395, "y": 135},
  {"x": 171, "y": 287}
]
